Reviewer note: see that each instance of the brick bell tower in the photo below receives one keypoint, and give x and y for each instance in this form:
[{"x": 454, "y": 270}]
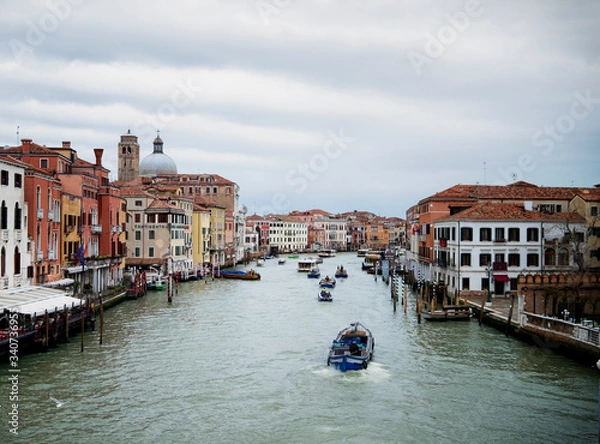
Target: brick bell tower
[{"x": 129, "y": 157}]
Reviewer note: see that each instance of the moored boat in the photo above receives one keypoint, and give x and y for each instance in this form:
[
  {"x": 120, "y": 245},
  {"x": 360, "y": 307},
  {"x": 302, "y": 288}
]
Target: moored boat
[
  {"x": 327, "y": 282},
  {"x": 250, "y": 275},
  {"x": 352, "y": 349},
  {"x": 155, "y": 282},
  {"x": 324, "y": 296},
  {"x": 449, "y": 313}
]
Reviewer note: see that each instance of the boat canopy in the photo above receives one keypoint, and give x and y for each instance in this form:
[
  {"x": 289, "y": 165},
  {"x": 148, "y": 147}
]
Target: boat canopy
[{"x": 34, "y": 301}]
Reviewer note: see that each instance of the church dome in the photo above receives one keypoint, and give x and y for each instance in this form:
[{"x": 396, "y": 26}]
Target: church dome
[{"x": 158, "y": 162}]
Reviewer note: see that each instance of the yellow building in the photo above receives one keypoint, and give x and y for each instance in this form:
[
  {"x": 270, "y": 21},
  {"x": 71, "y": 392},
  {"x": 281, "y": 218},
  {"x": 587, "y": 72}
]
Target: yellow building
[
  {"x": 201, "y": 235},
  {"x": 71, "y": 212}
]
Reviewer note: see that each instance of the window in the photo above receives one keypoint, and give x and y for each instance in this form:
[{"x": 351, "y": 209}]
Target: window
[
  {"x": 533, "y": 260},
  {"x": 533, "y": 234},
  {"x": 138, "y": 235},
  {"x": 4, "y": 177},
  {"x": 137, "y": 218},
  {"x": 593, "y": 211},
  {"x": 563, "y": 256},
  {"x": 465, "y": 283},
  {"x": 43, "y": 163},
  {"x": 514, "y": 260},
  {"x": 485, "y": 259},
  {"x": 499, "y": 258},
  {"x": 3, "y": 216},
  {"x": 549, "y": 257},
  {"x": 513, "y": 235},
  {"x": 18, "y": 216},
  {"x": 150, "y": 234},
  {"x": 485, "y": 234},
  {"x": 150, "y": 251},
  {"x": 138, "y": 203},
  {"x": 500, "y": 235},
  {"x": 485, "y": 284},
  {"x": 136, "y": 252},
  {"x": 466, "y": 234},
  {"x": 465, "y": 259},
  {"x": 18, "y": 180}
]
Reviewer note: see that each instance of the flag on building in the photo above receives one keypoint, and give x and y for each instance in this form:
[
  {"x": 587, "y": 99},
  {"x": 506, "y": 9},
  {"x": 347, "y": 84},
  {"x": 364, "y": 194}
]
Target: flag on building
[{"x": 81, "y": 257}]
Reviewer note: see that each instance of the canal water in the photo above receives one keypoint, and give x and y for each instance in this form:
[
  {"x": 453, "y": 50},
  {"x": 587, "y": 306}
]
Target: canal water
[{"x": 245, "y": 362}]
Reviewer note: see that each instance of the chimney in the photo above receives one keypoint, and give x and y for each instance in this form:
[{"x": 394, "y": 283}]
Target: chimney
[
  {"x": 98, "y": 153},
  {"x": 26, "y": 142},
  {"x": 66, "y": 144}
]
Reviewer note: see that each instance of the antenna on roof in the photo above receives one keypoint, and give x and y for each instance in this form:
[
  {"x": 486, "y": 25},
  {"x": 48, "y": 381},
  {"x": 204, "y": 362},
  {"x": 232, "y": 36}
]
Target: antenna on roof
[
  {"x": 17, "y": 134},
  {"x": 484, "y": 173}
]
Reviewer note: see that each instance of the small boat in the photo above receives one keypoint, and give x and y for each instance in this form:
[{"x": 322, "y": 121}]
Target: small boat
[
  {"x": 250, "y": 275},
  {"x": 293, "y": 256},
  {"x": 314, "y": 273},
  {"x": 281, "y": 261},
  {"x": 260, "y": 262},
  {"x": 362, "y": 252},
  {"x": 327, "y": 282},
  {"x": 341, "y": 272},
  {"x": 155, "y": 282},
  {"x": 352, "y": 348},
  {"x": 325, "y": 296},
  {"x": 449, "y": 313},
  {"x": 327, "y": 253}
]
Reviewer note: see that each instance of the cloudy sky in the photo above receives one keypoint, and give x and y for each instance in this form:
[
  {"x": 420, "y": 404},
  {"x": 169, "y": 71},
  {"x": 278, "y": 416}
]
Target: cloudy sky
[{"x": 332, "y": 104}]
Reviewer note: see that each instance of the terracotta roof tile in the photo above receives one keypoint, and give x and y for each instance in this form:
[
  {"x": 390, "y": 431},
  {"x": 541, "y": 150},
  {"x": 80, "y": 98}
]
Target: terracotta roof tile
[{"x": 491, "y": 211}]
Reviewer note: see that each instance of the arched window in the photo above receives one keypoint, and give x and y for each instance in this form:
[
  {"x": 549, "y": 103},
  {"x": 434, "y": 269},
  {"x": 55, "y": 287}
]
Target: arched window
[
  {"x": 18, "y": 216},
  {"x": 17, "y": 261},
  {"x": 549, "y": 257},
  {"x": 3, "y": 216}
]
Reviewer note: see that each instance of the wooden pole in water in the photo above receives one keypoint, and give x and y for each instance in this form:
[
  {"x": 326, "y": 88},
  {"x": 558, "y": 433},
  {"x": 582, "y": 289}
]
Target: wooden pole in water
[
  {"x": 46, "y": 328},
  {"x": 481, "y": 312},
  {"x": 419, "y": 308},
  {"x": 510, "y": 312},
  {"x": 405, "y": 298},
  {"x": 66, "y": 323},
  {"x": 101, "y": 319},
  {"x": 82, "y": 327}
]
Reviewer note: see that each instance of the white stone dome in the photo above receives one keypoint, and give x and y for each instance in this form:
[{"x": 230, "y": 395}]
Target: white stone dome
[{"x": 158, "y": 162}]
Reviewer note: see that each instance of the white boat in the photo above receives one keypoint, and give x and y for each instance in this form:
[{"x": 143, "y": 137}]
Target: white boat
[
  {"x": 281, "y": 261},
  {"x": 307, "y": 264},
  {"x": 327, "y": 253},
  {"x": 260, "y": 262}
]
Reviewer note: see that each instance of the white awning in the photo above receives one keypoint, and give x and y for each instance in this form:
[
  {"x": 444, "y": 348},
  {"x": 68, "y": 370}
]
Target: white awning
[
  {"x": 61, "y": 283},
  {"x": 36, "y": 300}
]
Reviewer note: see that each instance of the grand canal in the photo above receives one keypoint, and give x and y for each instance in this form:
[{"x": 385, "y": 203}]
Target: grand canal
[{"x": 238, "y": 361}]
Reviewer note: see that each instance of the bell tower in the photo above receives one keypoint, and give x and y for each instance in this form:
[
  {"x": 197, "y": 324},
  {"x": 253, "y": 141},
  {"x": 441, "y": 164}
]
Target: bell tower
[{"x": 129, "y": 157}]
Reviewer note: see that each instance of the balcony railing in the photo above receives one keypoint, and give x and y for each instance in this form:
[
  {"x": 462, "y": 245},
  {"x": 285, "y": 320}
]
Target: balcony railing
[
  {"x": 40, "y": 213},
  {"x": 4, "y": 235},
  {"x": 18, "y": 235},
  {"x": 97, "y": 229},
  {"x": 40, "y": 255},
  {"x": 51, "y": 255},
  {"x": 499, "y": 266},
  {"x": 50, "y": 215}
]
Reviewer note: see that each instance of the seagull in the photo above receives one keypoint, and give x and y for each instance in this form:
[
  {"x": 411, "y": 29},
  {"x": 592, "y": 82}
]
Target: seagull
[{"x": 56, "y": 401}]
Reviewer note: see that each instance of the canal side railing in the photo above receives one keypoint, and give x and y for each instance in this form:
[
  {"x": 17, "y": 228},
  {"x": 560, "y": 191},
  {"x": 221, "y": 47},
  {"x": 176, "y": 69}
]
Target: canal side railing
[{"x": 587, "y": 335}]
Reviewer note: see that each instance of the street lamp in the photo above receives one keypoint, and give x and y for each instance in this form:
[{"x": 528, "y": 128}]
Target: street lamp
[{"x": 488, "y": 272}]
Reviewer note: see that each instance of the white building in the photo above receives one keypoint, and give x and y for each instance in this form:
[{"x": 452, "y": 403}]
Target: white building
[
  {"x": 488, "y": 245},
  {"x": 335, "y": 230},
  {"x": 15, "y": 257}
]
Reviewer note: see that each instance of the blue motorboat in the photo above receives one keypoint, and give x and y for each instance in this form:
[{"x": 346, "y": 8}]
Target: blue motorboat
[
  {"x": 327, "y": 282},
  {"x": 352, "y": 348},
  {"x": 341, "y": 272},
  {"x": 324, "y": 296},
  {"x": 314, "y": 273}
]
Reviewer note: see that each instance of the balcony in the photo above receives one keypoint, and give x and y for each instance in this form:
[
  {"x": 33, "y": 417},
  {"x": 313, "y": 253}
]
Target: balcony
[
  {"x": 40, "y": 255},
  {"x": 40, "y": 213},
  {"x": 51, "y": 255},
  {"x": 51, "y": 215},
  {"x": 500, "y": 266},
  {"x": 96, "y": 229},
  {"x": 4, "y": 235},
  {"x": 18, "y": 235},
  {"x": 4, "y": 283}
]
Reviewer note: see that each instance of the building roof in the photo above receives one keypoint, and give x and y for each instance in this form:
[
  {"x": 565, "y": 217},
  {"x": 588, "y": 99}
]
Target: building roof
[
  {"x": 515, "y": 191},
  {"x": 492, "y": 211}
]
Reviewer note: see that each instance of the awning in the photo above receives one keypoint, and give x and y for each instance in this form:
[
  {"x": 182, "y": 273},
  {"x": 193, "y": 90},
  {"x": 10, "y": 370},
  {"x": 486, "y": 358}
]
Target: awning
[
  {"x": 32, "y": 300},
  {"x": 501, "y": 278},
  {"x": 58, "y": 284}
]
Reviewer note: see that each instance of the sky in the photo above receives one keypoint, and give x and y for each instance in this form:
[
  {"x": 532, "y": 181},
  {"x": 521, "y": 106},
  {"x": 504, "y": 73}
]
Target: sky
[{"x": 340, "y": 105}]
